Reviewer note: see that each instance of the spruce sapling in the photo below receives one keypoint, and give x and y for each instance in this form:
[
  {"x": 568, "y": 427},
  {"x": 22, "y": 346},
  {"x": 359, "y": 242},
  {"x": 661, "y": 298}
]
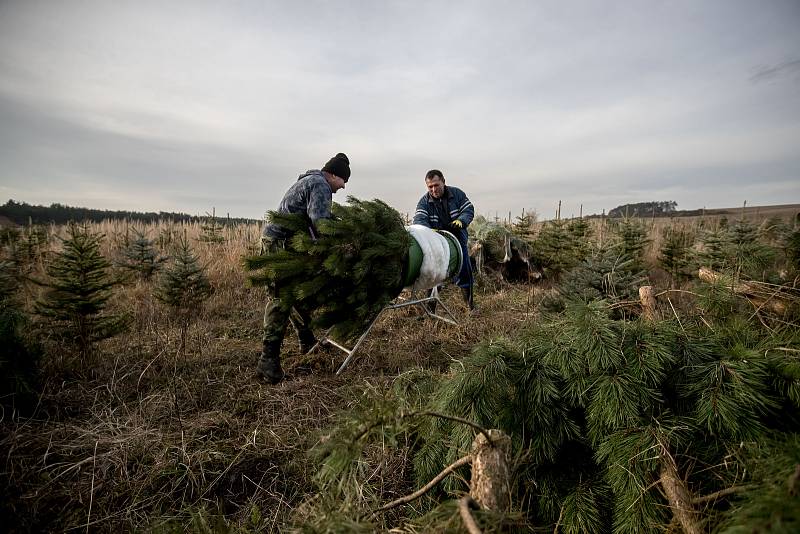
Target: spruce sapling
[
  {"x": 183, "y": 286},
  {"x": 140, "y": 257},
  {"x": 77, "y": 291},
  {"x": 19, "y": 359}
]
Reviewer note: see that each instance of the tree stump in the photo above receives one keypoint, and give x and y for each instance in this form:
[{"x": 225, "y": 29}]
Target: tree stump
[
  {"x": 648, "y": 301},
  {"x": 490, "y": 485}
]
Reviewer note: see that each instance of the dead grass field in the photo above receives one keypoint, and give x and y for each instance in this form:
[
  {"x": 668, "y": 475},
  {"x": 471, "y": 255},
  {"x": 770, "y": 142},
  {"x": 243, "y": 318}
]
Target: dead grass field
[{"x": 143, "y": 437}]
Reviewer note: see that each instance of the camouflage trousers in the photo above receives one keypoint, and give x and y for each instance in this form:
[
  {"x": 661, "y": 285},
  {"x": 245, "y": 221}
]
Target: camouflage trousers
[{"x": 276, "y": 315}]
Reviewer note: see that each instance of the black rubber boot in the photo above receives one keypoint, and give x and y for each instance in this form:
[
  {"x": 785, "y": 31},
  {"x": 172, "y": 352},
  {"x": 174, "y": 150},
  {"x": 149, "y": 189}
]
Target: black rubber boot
[
  {"x": 269, "y": 364},
  {"x": 307, "y": 341},
  {"x": 466, "y": 292}
]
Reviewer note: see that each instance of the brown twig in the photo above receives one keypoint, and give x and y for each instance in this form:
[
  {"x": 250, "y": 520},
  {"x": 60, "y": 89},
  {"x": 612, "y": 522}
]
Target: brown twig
[
  {"x": 466, "y": 516},
  {"x": 721, "y": 493},
  {"x": 460, "y": 420},
  {"x": 427, "y": 487}
]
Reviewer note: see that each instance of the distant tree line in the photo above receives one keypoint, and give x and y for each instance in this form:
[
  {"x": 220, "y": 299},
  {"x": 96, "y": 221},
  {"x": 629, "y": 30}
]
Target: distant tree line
[
  {"x": 645, "y": 209},
  {"x": 23, "y": 213}
]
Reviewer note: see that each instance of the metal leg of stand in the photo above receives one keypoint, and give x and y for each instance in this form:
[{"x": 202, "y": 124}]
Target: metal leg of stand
[
  {"x": 418, "y": 302},
  {"x": 358, "y": 343}
]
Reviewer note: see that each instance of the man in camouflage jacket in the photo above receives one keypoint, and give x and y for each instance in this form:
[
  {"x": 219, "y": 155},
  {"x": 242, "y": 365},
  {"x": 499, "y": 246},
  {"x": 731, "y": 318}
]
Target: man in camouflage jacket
[{"x": 310, "y": 195}]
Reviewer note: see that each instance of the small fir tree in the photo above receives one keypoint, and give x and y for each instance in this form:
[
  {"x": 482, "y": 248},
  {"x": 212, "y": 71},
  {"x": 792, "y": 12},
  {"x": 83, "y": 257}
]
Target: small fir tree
[
  {"x": 349, "y": 271},
  {"x": 183, "y": 286},
  {"x": 212, "y": 229},
  {"x": 77, "y": 292},
  {"x": 747, "y": 253},
  {"x": 607, "y": 274},
  {"x": 524, "y": 225},
  {"x": 140, "y": 257},
  {"x": 632, "y": 234},
  {"x": 675, "y": 254},
  {"x": 712, "y": 250},
  {"x": 560, "y": 246},
  {"x": 19, "y": 357}
]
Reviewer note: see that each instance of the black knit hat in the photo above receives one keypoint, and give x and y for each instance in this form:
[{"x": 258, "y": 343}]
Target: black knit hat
[{"x": 338, "y": 165}]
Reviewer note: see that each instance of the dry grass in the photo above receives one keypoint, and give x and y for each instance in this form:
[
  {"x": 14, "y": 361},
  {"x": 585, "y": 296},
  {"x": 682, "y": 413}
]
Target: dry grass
[
  {"x": 141, "y": 437},
  {"x": 144, "y": 438}
]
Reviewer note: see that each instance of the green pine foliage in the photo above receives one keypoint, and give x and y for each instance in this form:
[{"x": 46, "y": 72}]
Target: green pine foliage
[
  {"x": 606, "y": 274},
  {"x": 580, "y": 232},
  {"x": 524, "y": 225},
  {"x": 561, "y": 245},
  {"x": 140, "y": 257},
  {"x": 738, "y": 248},
  {"x": 772, "y": 500},
  {"x": 212, "y": 229},
  {"x": 676, "y": 251},
  {"x": 712, "y": 252},
  {"x": 77, "y": 290},
  {"x": 632, "y": 234},
  {"x": 791, "y": 247},
  {"x": 747, "y": 253},
  {"x": 598, "y": 409},
  {"x": 183, "y": 285},
  {"x": 349, "y": 272},
  {"x": 19, "y": 357}
]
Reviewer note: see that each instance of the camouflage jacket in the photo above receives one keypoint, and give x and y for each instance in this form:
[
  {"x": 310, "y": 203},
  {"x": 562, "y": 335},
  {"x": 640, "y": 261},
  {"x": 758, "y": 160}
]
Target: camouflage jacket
[{"x": 310, "y": 195}]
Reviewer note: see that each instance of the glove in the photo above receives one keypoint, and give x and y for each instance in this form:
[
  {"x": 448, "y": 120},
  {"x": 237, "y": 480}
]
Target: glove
[{"x": 457, "y": 224}]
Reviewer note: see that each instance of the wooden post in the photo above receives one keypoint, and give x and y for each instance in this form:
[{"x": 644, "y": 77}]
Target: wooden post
[{"x": 490, "y": 485}]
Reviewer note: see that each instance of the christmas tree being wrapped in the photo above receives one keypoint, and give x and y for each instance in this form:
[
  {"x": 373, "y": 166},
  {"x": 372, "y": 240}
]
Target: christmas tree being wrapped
[{"x": 353, "y": 266}]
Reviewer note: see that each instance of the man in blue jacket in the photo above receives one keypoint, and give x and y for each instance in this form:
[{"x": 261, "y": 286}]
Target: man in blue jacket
[
  {"x": 310, "y": 195},
  {"x": 448, "y": 208}
]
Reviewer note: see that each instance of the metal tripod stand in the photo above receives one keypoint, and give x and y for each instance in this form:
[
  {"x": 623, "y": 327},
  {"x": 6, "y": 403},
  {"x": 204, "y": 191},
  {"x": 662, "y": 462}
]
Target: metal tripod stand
[{"x": 422, "y": 303}]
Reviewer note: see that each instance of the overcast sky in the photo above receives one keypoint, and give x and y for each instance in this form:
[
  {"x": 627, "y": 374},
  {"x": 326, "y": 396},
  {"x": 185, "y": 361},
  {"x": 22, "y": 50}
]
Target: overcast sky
[{"x": 184, "y": 106}]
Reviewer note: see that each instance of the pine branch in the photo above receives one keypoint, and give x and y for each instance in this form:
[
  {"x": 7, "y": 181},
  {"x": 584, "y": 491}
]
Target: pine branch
[
  {"x": 458, "y": 420},
  {"x": 427, "y": 487},
  {"x": 721, "y": 493}
]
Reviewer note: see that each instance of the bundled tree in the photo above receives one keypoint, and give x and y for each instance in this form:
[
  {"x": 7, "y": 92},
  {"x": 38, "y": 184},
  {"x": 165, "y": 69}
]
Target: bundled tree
[
  {"x": 349, "y": 271},
  {"x": 496, "y": 247},
  {"x": 140, "y": 256},
  {"x": 77, "y": 291},
  {"x": 183, "y": 286}
]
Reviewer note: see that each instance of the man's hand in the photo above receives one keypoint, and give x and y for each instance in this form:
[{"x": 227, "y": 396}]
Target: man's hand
[{"x": 457, "y": 224}]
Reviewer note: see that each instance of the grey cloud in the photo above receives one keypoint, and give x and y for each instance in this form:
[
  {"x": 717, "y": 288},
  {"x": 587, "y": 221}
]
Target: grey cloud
[
  {"x": 195, "y": 104},
  {"x": 771, "y": 72}
]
